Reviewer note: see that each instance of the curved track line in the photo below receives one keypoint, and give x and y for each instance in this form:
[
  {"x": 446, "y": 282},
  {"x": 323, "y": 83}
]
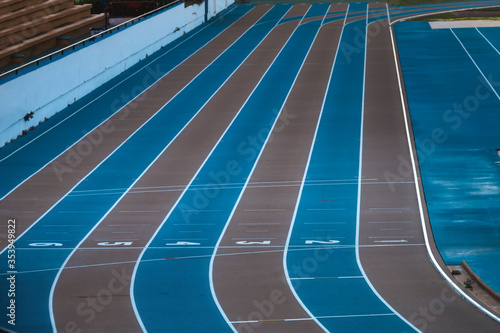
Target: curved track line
[
  {"x": 138, "y": 178},
  {"x": 358, "y": 213},
  {"x": 247, "y": 182},
  {"x": 107, "y": 157},
  {"x": 110, "y": 89},
  {"x": 287, "y": 276},
  {"x": 420, "y": 200},
  {"x": 132, "y": 282}
]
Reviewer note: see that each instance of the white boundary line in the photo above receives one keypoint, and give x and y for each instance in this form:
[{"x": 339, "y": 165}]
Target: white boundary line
[
  {"x": 139, "y": 259},
  {"x": 108, "y": 156},
  {"x": 475, "y": 64},
  {"x": 214, "y": 254},
  {"x": 294, "y": 217},
  {"x": 106, "y": 92},
  {"x": 493, "y": 46},
  {"x": 360, "y": 173},
  {"x": 420, "y": 201}
]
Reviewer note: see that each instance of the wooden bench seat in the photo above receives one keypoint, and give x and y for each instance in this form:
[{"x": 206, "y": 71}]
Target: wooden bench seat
[
  {"x": 18, "y": 33},
  {"x": 40, "y": 43}
]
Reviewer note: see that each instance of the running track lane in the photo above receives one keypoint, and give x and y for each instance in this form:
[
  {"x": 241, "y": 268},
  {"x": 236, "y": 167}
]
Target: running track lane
[
  {"x": 140, "y": 212},
  {"x": 321, "y": 257},
  {"x": 42, "y": 190},
  {"x": 475, "y": 156},
  {"x": 85, "y": 212},
  {"x": 392, "y": 245},
  {"x": 25, "y": 156},
  {"x": 182, "y": 273},
  {"x": 249, "y": 277}
]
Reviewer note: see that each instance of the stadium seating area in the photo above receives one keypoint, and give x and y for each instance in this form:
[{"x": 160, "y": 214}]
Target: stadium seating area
[{"x": 30, "y": 27}]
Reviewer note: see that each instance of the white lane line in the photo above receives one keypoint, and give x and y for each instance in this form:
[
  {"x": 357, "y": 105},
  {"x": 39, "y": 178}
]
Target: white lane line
[
  {"x": 304, "y": 177},
  {"x": 140, "y": 211},
  {"x": 307, "y": 319},
  {"x": 132, "y": 185},
  {"x": 263, "y": 223},
  {"x": 202, "y": 210},
  {"x": 214, "y": 254},
  {"x": 360, "y": 173},
  {"x": 228, "y": 186},
  {"x": 390, "y": 222},
  {"x": 128, "y": 225},
  {"x": 105, "y": 120},
  {"x": 121, "y": 144},
  {"x": 420, "y": 200},
  {"x": 324, "y": 223},
  {"x": 373, "y": 237},
  {"x": 325, "y": 209},
  {"x": 278, "y": 249},
  {"x": 390, "y": 208},
  {"x": 475, "y": 64},
  {"x": 134, "y": 274},
  {"x": 194, "y": 224},
  {"x": 328, "y": 277},
  {"x": 62, "y": 225},
  {"x": 263, "y": 210},
  {"x": 493, "y": 46},
  {"x": 391, "y": 241},
  {"x": 77, "y": 212},
  {"x": 253, "y": 238}
]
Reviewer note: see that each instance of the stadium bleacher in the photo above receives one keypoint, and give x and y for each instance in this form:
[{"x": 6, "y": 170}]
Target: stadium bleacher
[{"x": 30, "y": 27}]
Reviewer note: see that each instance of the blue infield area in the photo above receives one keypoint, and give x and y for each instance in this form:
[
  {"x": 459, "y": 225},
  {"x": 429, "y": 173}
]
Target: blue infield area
[{"x": 452, "y": 81}]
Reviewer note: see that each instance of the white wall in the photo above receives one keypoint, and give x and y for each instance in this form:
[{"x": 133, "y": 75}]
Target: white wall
[
  {"x": 216, "y": 6},
  {"x": 50, "y": 88}
]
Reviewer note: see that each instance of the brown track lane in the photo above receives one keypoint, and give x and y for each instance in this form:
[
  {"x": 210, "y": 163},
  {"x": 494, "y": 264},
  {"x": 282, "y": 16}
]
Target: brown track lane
[
  {"x": 175, "y": 167},
  {"x": 46, "y": 187},
  {"x": 400, "y": 271},
  {"x": 251, "y": 285}
]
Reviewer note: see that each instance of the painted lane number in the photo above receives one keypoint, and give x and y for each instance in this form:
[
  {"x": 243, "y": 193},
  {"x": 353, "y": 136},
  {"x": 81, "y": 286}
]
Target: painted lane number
[{"x": 322, "y": 242}]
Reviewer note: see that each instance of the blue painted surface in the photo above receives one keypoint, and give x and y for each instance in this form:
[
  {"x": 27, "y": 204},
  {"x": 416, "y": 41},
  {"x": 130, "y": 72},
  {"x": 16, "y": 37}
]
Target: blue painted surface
[
  {"x": 182, "y": 283},
  {"x": 199, "y": 309},
  {"x": 28, "y": 160},
  {"x": 328, "y": 212},
  {"x": 154, "y": 135},
  {"x": 460, "y": 167}
]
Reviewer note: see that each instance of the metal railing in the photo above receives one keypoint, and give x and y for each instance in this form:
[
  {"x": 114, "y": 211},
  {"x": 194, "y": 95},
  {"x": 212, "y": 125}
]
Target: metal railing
[{"x": 87, "y": 40}]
